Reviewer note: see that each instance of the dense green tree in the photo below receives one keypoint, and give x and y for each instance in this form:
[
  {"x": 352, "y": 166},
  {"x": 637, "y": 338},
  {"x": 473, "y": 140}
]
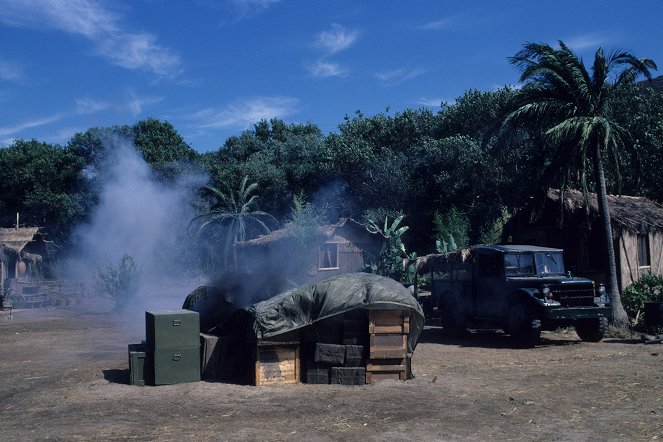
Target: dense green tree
[
  {"x": 572, "y": 108},
  {"x": 42, "y": 183},
  {"x": 163, "y": 148},
  {"x": 639, "y": 109}
]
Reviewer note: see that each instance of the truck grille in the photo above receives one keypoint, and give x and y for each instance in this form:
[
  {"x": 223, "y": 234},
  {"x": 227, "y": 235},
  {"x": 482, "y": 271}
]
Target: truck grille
[{"x": 573, "y": 297}]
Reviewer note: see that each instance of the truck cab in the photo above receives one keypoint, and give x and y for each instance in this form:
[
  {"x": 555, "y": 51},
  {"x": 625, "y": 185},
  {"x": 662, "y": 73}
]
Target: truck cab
[{"x": 521, "y": 289}]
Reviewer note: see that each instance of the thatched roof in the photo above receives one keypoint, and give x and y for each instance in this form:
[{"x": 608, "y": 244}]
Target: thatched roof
[
  {"x": 630, "y": 213},
  {"x": 326, "y": 232},
  {"x": 16, "y": 239},
  {"x": 423, "y": 263}
]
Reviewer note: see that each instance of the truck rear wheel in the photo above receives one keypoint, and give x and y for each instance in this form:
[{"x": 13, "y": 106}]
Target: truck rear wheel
[
  {"x": 592, "y": 330},
  {"x": 453, "y": 321},
  {"x": 523, "y": 325}
]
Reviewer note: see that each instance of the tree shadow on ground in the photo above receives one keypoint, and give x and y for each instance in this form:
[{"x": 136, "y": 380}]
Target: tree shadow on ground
[
  {"x": 117, "y": 376},
  {"x": 434, "y": 334}
]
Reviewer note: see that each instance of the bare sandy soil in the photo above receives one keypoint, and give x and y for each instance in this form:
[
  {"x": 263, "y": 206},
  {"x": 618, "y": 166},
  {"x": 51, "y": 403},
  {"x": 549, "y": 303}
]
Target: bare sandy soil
[{"x": 64, "y": 376}]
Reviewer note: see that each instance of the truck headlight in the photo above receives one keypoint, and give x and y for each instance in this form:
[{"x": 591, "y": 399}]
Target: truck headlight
[{"x": 601, "y": 298}]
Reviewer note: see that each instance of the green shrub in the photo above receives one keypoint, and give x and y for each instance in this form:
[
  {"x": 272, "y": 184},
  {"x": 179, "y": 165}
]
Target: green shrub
[
  {"x": 648, "y": 288},
  {"x": 120, "y": 282}
]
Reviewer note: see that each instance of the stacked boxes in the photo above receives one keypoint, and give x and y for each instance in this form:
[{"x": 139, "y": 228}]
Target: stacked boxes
[
  {"x": 174, "y": 339},
  {"x": 388, "y": 345}
]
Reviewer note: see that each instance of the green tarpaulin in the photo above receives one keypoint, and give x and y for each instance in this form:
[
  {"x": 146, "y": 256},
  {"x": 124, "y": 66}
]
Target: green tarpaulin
[{"x": 305, "y": 305}]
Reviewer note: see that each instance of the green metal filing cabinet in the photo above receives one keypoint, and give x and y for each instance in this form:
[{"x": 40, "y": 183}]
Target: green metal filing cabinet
[{"x": 173, "y": 338}]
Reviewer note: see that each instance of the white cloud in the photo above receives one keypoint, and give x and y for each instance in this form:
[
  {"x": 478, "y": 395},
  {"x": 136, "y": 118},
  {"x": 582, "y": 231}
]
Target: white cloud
[
  {"x": 322, "y": 68},
  {"x": 90, "y": 106},
  {"x": 251, "y": 7},
  {"x": 433, "y": 102},
  {"x": 244, "y": 113},
  {"x": 9, "y": 71},
  {"x": 4, "y": 131},
  {"x": 587, "y": 41},
  {"x": 92, "y": 20},
  {"x": 440, "y": 25},
  {"x": 336, "y": 39},
  {"x": 136, "y": 104},
  {"x": 397, "y": 76}
]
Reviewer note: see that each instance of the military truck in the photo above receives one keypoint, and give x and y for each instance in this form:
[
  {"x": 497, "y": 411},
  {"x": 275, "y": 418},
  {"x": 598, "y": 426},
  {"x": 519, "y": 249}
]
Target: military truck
[{"x": 518, "y": 288}]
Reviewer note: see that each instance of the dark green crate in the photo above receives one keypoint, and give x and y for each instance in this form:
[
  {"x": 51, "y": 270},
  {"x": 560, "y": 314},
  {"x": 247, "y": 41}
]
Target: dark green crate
[
  {"x": 348, "y": 375},
  {"x": 139, "y": 365},
  {"x": 172, "y": 329},
  {"x": 317, "y": 374},
  {"x": 176, "y": 365}
]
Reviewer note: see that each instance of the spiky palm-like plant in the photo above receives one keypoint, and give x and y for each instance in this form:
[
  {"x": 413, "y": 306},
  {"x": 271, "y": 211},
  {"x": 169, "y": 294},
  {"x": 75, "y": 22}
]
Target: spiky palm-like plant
[
  {"x": 235, "y": 212},
  {"x": 572, "y": 108}
]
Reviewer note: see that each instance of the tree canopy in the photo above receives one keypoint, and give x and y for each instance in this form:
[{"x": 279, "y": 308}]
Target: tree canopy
[{"x": 449, "y": 163}]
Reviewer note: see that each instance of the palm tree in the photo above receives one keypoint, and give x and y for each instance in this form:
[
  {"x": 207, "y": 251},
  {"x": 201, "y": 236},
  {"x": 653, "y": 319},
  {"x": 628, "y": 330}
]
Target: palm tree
[
  {"x": 572, "y": 108},
  {"x": 235, "y": 212}
]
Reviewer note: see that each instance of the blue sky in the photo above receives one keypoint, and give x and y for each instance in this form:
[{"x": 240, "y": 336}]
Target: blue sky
[{"x": 214, "y": 67}]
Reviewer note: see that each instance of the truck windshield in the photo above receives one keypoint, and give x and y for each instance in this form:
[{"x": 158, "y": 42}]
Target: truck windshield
[
  {"x": 549, "y": 263},
  {"x": 538, "y": 263},
  {"x": 518, "y": 264}
]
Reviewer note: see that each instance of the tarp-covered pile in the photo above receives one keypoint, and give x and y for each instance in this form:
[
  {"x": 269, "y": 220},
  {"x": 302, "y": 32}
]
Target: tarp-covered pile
[{"x": 303, "y": 306}]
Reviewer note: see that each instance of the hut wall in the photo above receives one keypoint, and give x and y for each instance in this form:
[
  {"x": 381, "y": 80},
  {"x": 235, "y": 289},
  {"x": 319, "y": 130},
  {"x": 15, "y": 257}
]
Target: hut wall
[
  {"x": 628, "y": 259},
  {"x": 2, "y": 277},
  {"x": 349, "y": 258},
  {"x": 656, "y": 250}
]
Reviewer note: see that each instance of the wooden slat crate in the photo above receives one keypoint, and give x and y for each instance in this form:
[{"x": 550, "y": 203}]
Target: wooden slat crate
[
  {"x": 392, "y": 346},
  {"x": 277, "y": 363},
  {"x": 388, "y": 321},
  {"x": 386, "y": 369}
]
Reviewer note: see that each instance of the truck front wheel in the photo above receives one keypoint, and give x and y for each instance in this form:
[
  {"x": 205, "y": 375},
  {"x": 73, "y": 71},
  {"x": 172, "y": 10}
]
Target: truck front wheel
[
  {"x": 592, "y": 330},
  {"x": 523, "y": 325}
]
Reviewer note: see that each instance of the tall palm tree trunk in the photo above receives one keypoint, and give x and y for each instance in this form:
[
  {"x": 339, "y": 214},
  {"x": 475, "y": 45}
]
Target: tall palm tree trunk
[{"x": 619, "y": 316}]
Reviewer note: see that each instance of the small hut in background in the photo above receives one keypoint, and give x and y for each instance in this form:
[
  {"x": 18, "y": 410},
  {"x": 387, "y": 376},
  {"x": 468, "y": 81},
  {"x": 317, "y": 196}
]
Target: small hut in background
[
  {"x": 637, "y": 225},
  {"x": 21, "y": 250},
  {"x": 332, "y": 249}
]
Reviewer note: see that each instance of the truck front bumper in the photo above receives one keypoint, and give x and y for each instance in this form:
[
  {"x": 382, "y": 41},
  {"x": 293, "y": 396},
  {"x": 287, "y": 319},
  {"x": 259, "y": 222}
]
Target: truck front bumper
[{"x": 572, "y": 313}]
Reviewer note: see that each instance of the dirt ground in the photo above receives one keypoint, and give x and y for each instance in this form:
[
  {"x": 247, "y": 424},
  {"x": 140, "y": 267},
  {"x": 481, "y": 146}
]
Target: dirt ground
[{"x": 64, "y": 376}]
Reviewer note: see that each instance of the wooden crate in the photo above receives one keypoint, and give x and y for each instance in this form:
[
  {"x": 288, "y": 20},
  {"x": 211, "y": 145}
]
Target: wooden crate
[
  {"x": 386, "y": 369},
  {"x": 388, "y": 346},
  {"x": 277, "y": 363},
  {"x": 388, "y": 321}
]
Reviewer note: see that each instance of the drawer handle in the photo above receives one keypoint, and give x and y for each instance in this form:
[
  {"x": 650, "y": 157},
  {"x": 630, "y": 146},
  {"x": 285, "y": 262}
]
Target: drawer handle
[
  {"x": 177, "y": 322},
  {"x": 177, "y": 356}
]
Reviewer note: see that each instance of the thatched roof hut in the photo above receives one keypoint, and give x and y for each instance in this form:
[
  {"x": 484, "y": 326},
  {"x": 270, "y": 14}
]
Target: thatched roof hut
[
  {"x": 14, "y": 260},
  {"x": 569, "y": 221},
  {"x": 15, "y": 239},
  {"x": 329, "y": 250},
  {"x": 631, "y": 213},
  {"x": 326, "y": 232}
]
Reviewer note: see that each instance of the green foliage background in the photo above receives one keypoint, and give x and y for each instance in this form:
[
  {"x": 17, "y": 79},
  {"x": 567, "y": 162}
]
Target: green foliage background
[{"x": 417, "y": 162}]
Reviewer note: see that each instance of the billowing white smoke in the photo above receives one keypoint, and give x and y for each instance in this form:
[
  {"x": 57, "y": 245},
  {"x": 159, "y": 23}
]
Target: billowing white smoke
[{"x": 138, "y": 216}]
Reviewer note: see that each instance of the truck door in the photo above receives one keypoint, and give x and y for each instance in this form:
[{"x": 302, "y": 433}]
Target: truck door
[{"x": 489, "y": 285}]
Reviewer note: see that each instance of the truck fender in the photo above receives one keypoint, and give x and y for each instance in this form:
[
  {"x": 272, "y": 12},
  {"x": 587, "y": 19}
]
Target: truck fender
[{"x": 527, "y": 295}]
